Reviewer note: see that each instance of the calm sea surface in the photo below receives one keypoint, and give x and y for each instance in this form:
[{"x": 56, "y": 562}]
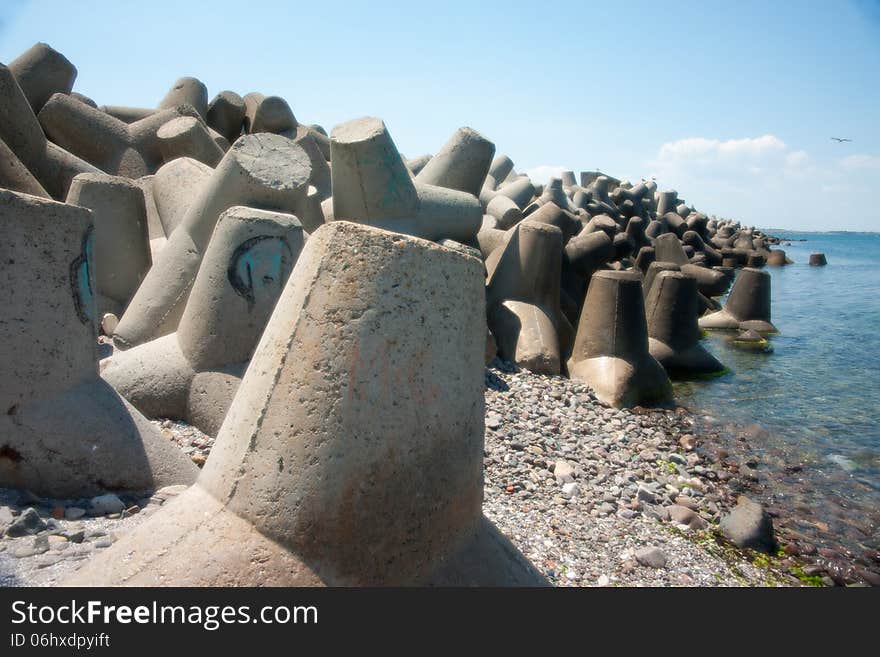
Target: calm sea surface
[{"x": 817, "y": 394}]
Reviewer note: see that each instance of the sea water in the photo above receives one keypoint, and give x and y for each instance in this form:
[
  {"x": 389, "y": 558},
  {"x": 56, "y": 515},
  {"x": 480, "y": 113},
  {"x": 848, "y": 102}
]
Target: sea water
[{"x": 817, "y": 394}]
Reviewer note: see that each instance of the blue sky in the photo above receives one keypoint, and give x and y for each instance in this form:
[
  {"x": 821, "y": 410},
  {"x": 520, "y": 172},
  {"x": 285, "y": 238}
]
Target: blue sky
[{"x": 731, "y": 103}]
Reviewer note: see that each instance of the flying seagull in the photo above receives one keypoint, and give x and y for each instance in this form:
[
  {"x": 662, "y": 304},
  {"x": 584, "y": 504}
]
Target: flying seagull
[{"x": 840, "y": 140}]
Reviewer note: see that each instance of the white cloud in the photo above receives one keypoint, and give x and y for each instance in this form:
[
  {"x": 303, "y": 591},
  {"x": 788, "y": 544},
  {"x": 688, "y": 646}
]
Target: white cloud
[
  {"x": 543, "y": 172},
  {"x": 701, "y": 148},
  {"x": 860, "y": 161},
  {"x": 763, "y": 181},
  {"x": 796, "y": 159}
]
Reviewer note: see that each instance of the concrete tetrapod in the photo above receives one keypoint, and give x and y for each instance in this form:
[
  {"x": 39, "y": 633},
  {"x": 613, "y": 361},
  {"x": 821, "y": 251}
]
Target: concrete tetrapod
[
  {"x": 226, "y": 115},
  {"x": 42, "y": 71},
  {"x": 522, "y": 297},
  {"x": 50, "y": 164},
  {"x": 64, "y": 432},
  {"x": 747, "y": 305},
  {"x": 187, "y": 136},
  {"x": 673, "y": 333},
  {"x": 193, "y": 374},
  {"x": 584, "y": 254},
  {"x": 265, "y": 171},
  {"x": 372, "y": 185},
  {"x": 187, "y": 91},
  {"x": 15, "y": 176},
  {"x": 611, "y": 347},
  {"x": 669, "y": 249},
  {"x": 461, "y": 164},
  {"x": 777, "y": 258},
  {"x": 122, "y": 149},
  {"x": 367, "y": 383},
  {"x": 175, "y": 186},
  {"x": 121, "y": 243}
]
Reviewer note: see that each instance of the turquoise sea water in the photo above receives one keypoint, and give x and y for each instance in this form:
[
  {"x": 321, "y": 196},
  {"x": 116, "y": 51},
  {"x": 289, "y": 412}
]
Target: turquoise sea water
[{"x": 817, "y": 394}]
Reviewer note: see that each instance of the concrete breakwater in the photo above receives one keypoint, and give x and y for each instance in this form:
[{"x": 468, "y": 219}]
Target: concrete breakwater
[{"x": 323, "y": 308}]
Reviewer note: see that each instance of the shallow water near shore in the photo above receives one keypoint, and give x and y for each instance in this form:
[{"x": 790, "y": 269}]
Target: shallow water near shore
[{"x": 816, "y": 397}]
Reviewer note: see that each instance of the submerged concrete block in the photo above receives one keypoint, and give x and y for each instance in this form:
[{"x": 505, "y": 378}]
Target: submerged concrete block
[
  {"x": 611, "y": 347},
  {"x": 673, "y": 333},
  {"x": 263, "y": 171},
  {"x": 777, "y": 258},
  {"x": 194, "y": 373},
  {"x": 41, "y": 72},
  {"x": 747, "y": 305},
  {"x": 63, "y": 431},
  {"x": 372, "y": 185},
  {"x": 121, "y": 242},
  {"x": 387, "y": 402}
]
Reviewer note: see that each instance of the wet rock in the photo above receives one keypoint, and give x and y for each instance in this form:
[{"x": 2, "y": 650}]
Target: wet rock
[
  {"x": 687, "y": 442},
  {"x": 870, "y": 576},
  {"x": 749, "y": 526}
]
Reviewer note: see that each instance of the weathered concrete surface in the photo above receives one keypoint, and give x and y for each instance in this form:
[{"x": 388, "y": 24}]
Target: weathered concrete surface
[
  {"x": 175, "y": 186},
  {"x": 462, "y": 163},
  {"x": 263, "y": 171},
  {"x": 747, "y": 306},
  {"x": 187, "y": 91},
  {"x": 194, "y": 373},
  {"x": 386, "y": 368},
  {"x": 122, "y": 149},
  {"x": 522, "y": 297},
  {"x": 15, "y": 176},
  {"x": 63, "y": 431},
  {"x": 42, "y": 71},
  {"x": 611, "y": 347},
  {"x": 226, "y": 115},
  {"x": 187, "y": 136},
  {"x": 50, "y": 164},
  {"x": 372, "y": 185},
  {"x": 671, "y": 309},
  {"x": 121, "y": 242}
]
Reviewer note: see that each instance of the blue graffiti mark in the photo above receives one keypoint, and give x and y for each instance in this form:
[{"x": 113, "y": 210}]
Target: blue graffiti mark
[
  {"x": 258, "y": 264},
  {"x": 81, "y": 279}
]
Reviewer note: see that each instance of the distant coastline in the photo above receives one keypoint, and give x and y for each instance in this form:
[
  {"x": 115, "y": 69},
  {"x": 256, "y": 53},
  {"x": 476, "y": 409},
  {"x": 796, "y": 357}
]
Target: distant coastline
[{"x": 821, "y": 232}]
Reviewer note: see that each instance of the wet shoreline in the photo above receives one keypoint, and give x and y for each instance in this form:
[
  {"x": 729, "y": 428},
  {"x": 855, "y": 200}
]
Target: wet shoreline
[{"x": 822, "y": 514}]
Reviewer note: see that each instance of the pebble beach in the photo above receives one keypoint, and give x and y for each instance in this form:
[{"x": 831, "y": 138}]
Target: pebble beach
[{"x": 591, "y": 495}]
